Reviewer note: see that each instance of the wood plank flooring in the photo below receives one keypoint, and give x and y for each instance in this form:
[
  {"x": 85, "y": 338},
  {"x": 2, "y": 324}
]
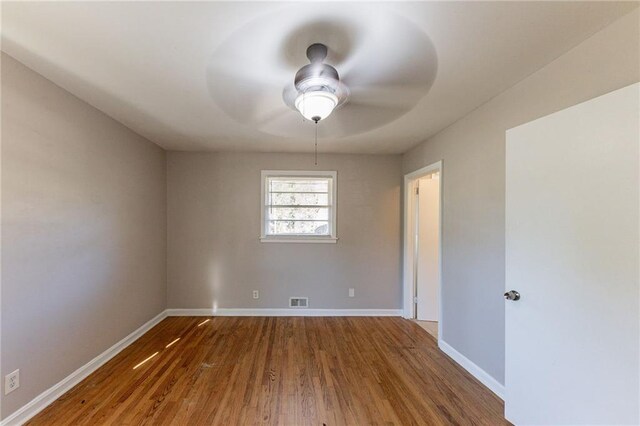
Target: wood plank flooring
[{"x": 279, "y": 371}]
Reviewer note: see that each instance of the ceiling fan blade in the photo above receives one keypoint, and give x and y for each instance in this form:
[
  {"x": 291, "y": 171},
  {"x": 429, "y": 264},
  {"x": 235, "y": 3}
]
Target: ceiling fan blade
[
  {"x": 289, "y": 95},
  {"x": 274, "y": 116},
  {"x": 395, "y": 71},
  {"x": 245, "y": 95},
  {"x": 354, "y": 118},
  {"x": 398, "y": 96},
  {"x": 296, "y": 126}
]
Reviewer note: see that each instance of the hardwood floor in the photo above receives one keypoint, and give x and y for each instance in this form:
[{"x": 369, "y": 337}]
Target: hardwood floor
[{"x": 279, "y": 370}]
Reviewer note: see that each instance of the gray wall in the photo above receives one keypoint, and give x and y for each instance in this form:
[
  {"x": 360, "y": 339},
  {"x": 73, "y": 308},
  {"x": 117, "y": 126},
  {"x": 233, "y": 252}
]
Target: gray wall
[
  {"x": 83, "y": 232},
  {"x": 215, "y": 257},
  {"x": 473, "y": 150}
]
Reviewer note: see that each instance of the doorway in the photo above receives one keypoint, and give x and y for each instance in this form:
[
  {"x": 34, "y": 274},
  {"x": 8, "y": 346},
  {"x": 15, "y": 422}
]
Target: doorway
[{"x": 422, "y": 248}]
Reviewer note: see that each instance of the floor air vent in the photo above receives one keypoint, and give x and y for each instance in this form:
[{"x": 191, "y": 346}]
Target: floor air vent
[{"x": 298, "y": 302}]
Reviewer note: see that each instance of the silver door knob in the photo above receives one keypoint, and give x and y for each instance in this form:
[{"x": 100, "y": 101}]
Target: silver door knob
[{"x": 512, "y": 295}]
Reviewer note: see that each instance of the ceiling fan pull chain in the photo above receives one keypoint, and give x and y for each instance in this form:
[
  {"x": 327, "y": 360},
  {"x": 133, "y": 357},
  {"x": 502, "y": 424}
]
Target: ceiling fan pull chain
[{"x": 316, "y": 146}]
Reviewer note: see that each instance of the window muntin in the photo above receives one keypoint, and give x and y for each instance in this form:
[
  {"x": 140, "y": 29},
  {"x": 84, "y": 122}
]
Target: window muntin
[{"x": 298, "y": 206}]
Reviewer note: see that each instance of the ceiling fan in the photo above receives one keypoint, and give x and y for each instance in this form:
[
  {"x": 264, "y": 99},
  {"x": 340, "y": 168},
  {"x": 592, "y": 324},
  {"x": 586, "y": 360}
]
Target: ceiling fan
[
  {"x": 354, "y": 76},
  {"x": 319, "y": 87}
]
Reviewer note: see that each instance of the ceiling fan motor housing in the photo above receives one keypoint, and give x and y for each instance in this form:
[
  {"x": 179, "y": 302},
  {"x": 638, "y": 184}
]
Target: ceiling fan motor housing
[{"x": 317, "y": 75}]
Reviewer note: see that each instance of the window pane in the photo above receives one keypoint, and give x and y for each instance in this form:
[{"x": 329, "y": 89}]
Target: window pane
[
  {"x": 298, "y": 185},
  {"x": 296, "y": 198},
  {"x": 292, "y": 227},
  {"x": 299, "y": 205},
  {"x": 298, "y": 213}
]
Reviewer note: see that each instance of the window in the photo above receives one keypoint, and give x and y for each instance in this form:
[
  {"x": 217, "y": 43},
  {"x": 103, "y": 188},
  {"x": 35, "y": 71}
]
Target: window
[{"x": 298, "y": 206}]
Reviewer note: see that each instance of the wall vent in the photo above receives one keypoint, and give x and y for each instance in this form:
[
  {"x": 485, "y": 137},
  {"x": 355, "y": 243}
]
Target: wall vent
[{"x": 298, "y": 302}]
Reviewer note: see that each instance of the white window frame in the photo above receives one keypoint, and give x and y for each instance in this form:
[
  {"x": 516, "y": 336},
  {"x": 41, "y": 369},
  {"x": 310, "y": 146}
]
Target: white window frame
[{"x": 333, "y": 192}]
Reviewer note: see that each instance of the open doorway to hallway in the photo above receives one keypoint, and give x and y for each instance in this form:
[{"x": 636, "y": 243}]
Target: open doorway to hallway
[{"x": 422, "y": 247}]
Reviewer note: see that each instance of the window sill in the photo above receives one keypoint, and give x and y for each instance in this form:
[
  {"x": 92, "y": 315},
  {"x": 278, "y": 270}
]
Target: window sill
[{"x": 325, "y": 240}]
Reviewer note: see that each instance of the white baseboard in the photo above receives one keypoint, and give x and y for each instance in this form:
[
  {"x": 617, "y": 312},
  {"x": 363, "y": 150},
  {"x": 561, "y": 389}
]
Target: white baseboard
[
  {"x": 189, "y": 312},
  {"x": 285, "y": 312},
  {"x": 472, "y": 368},
  {"x": 41, "y": 401}
]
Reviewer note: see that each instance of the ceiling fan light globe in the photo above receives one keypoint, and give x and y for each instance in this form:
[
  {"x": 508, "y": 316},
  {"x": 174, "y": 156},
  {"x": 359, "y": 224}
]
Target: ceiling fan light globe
[{"x": 316, "y": 104}]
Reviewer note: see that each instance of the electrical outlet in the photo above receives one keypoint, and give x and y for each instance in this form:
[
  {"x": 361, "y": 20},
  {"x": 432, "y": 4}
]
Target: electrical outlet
[
  {"x": 256, "y": 294},
  {"x": 11, "y": 382},
  {"x": 352, "y": 292}
]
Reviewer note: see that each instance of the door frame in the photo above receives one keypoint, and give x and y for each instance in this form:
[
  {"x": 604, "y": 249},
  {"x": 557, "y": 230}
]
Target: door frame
[{"x": 408, "y": 276}]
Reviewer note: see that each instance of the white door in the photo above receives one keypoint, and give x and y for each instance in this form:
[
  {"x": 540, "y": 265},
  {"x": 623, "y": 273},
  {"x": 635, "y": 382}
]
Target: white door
[
  {"x": 427, "y": 271},
  {"x": 572, "y": 252}
]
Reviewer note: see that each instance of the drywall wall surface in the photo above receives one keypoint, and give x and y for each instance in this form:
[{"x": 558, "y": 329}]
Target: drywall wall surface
[
  {"x": 473, "y": 154},
  {"x": 215, "y": 257},
  {"x": 83, "y": 232}
]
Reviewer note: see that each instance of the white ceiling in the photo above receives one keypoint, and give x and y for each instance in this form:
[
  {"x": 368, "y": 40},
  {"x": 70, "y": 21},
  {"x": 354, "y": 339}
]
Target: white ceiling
[{"x": 210, "y": 76}]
